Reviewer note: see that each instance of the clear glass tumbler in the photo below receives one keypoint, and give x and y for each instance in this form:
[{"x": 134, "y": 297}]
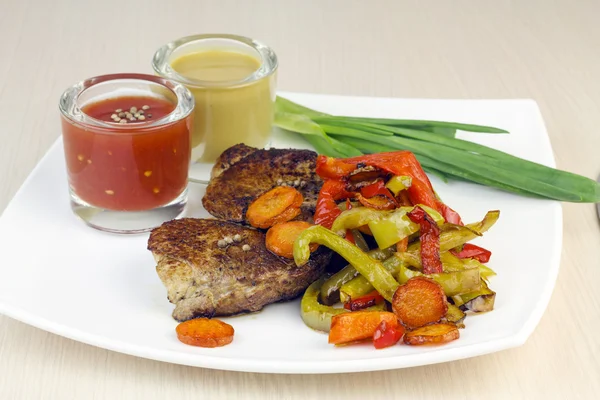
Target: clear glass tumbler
[
  {"x": 230, "y": 108},
  {"x": 127, "y": 144}
]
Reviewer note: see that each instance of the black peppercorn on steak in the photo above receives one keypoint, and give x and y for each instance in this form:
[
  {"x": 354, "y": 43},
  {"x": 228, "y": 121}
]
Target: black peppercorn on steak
[
  {"x": 243, "y": 173},
  {"x": 217, "y": 268}
]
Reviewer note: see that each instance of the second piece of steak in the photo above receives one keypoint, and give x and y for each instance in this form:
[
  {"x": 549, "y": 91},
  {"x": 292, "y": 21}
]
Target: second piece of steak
[
  {"x": 205, "y": 278},
  {"x": 243, "y": 173}
]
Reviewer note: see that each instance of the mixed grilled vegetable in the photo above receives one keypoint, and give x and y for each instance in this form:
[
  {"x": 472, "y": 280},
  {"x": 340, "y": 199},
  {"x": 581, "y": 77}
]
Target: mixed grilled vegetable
[
  {"x": 438, "y": 150},
  {"x": 411, "y": 272}
]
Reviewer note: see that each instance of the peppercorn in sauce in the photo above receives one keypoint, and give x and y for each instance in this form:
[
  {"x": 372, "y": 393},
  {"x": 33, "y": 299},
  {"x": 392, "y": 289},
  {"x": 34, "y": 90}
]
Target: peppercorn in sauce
[{"x": 135, "y": 166}]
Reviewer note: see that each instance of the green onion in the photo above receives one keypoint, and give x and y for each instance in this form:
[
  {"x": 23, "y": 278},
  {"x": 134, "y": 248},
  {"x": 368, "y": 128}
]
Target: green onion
[{"x": 438, "y": 151}]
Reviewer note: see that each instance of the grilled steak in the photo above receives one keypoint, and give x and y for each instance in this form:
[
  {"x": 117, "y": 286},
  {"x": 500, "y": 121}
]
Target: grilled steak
[
  {"x": 204, "y": 279},
  {"x": 243, "y": 173}
]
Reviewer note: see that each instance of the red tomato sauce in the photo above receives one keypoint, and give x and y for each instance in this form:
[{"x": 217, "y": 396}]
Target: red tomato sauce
[{"x": 133, "y": 167}]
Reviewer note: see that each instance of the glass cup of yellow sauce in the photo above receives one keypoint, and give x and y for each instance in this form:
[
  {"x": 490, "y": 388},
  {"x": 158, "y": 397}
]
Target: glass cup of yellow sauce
[{"x": 233, "y": 80}]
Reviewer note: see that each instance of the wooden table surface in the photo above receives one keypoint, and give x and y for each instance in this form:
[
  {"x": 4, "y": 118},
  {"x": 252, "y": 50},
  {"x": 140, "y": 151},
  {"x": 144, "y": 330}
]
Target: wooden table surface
[{"x": 545, "y": 50}]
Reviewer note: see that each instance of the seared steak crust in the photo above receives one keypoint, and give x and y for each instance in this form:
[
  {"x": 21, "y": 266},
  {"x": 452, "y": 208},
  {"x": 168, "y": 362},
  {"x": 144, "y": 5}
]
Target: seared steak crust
[
  {"x": 206, "y": 280},
  {"x": 241, "y": 176}
]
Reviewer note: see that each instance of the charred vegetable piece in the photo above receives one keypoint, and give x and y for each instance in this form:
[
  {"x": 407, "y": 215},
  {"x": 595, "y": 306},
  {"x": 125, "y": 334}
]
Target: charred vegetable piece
[
  {"x": 360, "y": 303},
  {"x": 429, "y": 236},
  {"x": 360, "y": 325},
  {"x": 453, "y": 283},
  {"x": 472, "y": 251},
  {"x": 371, "y": 269},
  {"x": 481, "y": 300},
  {"x": 455, "y": 316},
  {"x": 419, "y": 302},
  {"x": 205, "y": 332},
  {"x": 432, "y": 334},
  {"x": 360, "y": 286},
  {"x": 280, "y": 238},
  {"x": 386, "y": 335},
  {"x": 278, "y": 205},
  {"x": 377, "y": 202},
  {"x": 396, "y": 184},
  {"x": 330, "y": 291}
]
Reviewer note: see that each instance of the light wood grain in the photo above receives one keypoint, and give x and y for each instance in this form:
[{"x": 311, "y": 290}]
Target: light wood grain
[{"x": 545, "y": 50}]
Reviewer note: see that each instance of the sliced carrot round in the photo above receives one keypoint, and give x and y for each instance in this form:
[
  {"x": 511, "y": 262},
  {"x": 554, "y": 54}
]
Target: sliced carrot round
[
  {"x": 281, "y": 237},
  {"x": 358, "y": 325},
  {"x": 274, "y": 206},
  {"x": 205, "y": 332},
  {"x": 420, "y": 301},
  {"x": 432, "y": 334}
]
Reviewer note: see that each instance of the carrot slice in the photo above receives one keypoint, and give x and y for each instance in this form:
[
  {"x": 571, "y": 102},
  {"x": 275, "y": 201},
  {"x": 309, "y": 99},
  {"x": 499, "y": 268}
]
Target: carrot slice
[
  {"x": 358, "y": 325},
  {"x": 281, "y": 237},
  {"x": 277, "y": 205},
  {"x": 420, "y": 301},
  {"x": 432, "y": 334},
  {"x": 205, "y": 332}
]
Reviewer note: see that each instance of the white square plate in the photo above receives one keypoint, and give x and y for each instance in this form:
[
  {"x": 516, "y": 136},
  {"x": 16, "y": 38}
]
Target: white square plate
[{"x": 102, "y": 289}]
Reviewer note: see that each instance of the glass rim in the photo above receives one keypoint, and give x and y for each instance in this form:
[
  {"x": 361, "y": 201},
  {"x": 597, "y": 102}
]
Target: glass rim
[
  {"x": 268, "y": 61},
  {"x": 72, "y": 111}
]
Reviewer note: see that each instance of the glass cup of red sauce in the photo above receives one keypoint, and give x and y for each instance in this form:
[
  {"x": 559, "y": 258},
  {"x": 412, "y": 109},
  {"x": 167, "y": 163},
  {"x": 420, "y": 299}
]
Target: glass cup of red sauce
[{"x": 127, "y": 143}]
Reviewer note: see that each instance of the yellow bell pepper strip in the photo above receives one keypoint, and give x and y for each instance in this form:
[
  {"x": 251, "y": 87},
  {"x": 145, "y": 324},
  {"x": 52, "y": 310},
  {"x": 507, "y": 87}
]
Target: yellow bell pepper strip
[
  {"x": 330, "y": 291},
  {"x": 398, "y": 183},
  {"x": 430, "y": 241},
  {"x": 318, "y": 316},
  {"x": 453, "y": 283},
  {"x": 371, "y": 269}
]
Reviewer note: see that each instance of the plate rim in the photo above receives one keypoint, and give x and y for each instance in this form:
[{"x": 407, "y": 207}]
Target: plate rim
[{"x": 309, "y": 367}]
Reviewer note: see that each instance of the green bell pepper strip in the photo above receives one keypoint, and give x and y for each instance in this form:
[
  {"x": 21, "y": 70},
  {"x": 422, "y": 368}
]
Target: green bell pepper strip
[
  {"x": 330, "y": 291},
  {"x": 477, "y": 301},
  {"x": 450, "y": 263},
  {"x": 360, "y": 286},
  {"x": 360, "y": 216},
  {"x": 368, "y": 267},
  {"x": 455, "y": 235},
  {"x": 453, "y": 283},
  {"x": 318, "y": 316}
]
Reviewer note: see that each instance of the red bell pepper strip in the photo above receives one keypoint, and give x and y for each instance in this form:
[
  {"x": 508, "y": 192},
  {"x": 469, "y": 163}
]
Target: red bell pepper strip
[
  {"x": 327, "y": 210},
  {"x": 377, "y": 188},
  {"x": 472, "y": 251},
  {"x": 386, "y": 335},
  {"x": 430, "y": 241},
  {"x": 366, "y": 301},
  {"x": 396, "y": 163}
]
